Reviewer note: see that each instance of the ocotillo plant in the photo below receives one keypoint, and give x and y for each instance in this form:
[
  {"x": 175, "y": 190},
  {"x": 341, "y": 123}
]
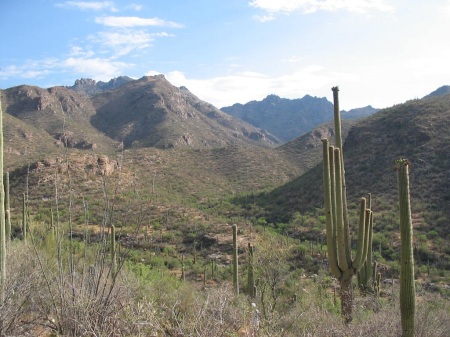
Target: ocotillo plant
[
  {"x": 342, "y": 265},
  {"x": 407, "y": 289},
  {"x": 250, "y": 272},
  {"x": 235, "y": 261},
  {"x": 2, "y": 216}
]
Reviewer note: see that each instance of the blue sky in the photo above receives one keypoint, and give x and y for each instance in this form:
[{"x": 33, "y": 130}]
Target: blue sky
[{"x": 379, "y": 52}]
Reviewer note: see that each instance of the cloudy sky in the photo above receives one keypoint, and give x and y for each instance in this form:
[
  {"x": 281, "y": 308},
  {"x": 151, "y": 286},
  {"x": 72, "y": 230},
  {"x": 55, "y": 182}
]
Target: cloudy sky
[{"x": 379, "y": 52}]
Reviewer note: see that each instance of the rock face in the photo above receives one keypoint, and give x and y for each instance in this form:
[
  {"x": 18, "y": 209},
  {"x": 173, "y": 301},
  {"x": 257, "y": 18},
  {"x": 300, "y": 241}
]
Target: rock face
[
  {"x": 105, "y": 166},
  {"x": 89, "y": 87}
]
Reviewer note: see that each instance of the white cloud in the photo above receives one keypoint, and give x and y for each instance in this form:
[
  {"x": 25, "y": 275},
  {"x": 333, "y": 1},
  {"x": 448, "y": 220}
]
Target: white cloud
[
  {"x": 89, "y": 5},
  {"x": 135, "y": 7},
  {"x": 311, "y": 6},
  {"x": 123, "y": 42},
  {"x": 246, "y": 86},
  {"x": 96, "y": 68},
  {"x": 133, "y": 21}
]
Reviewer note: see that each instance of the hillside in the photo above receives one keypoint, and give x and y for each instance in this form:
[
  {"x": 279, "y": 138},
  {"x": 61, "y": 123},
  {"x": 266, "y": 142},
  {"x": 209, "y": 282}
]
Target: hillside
[
  {"x": 151, "y": 112},
  {"x": 416, "y": 130}
]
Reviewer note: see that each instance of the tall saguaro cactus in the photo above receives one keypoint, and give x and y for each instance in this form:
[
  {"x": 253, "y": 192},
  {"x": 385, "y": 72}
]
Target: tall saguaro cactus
[
  {"x": 2, "y": 216},
  {"x": 8, "y": 208},
  {"x": 235, "y": 261},
  {"x": 407, "y": 289},
  {"x": 342, "y": 265}
]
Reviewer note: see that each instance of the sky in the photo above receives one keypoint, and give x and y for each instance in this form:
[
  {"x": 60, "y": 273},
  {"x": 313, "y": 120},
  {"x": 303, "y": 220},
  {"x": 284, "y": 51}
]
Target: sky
[{"x": 379, "y": 52}]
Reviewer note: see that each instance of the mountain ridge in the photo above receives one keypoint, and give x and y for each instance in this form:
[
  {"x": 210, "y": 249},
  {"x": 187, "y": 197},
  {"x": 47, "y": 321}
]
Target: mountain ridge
[{"x": 290, "y": 118}]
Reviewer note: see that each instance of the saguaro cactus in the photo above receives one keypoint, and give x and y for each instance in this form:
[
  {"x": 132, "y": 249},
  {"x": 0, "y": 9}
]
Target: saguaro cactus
[
  {"x": 342, "y": 265},
  {"x": 8, "y": 208},
  {"x": 235, "y": 261},
  {"x": 2, "y": 216},
  {"x": 24, "y": 217},
  {"x": 407, "y": 289},
  {"x": 250, "y": 274},
  {"x": 368, "y": 273},
  {"x": 113, "y": 251}
]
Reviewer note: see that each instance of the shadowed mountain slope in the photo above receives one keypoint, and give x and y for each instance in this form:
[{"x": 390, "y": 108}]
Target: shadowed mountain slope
[{"x": 151, "y": 112}]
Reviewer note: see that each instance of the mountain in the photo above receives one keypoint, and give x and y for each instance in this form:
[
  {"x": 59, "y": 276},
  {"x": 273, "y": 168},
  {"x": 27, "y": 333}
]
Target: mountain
[
  {"x": 358, "y": 112},
  {"x": 290, "y": 118},
  {"x": 62, "y": 113},
  {"x": 151, "y": 112},
  {"x": 444, "y": 90},
  {"x": 89, "y": 87}
]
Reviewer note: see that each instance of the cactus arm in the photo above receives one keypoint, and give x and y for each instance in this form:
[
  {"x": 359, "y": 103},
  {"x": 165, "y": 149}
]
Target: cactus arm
[
  {"x": 328, "y": 191},
  {"x": 340, "y": 227},
  {"x": 407, "y": 289},
  {"x": 362, "y": 240},
  {"x": 333, "y": 191},
  {"x": 369, "y": 258}
]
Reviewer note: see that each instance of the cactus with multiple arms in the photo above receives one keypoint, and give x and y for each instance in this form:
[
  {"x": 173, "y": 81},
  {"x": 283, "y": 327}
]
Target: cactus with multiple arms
[
  {"x": 368, "y": 273},
  {"x": 407, "y": 289},
  {"x": 342, "y": 266}
]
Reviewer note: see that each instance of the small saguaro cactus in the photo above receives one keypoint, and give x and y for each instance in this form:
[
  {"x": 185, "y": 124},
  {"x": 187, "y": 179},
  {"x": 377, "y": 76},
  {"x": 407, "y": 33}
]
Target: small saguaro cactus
[
  {"x": 113, "y": 251},
  {"x": 342, "y": 265},
  {"x": 24, "y": 218},
  {"x": 251, "y": 273},
  {"x": 407, "y": 288},
  {"x": 183, "y": 275},
  {"x": 367, "y": 274},
  {"x": 235, "y": 261}
]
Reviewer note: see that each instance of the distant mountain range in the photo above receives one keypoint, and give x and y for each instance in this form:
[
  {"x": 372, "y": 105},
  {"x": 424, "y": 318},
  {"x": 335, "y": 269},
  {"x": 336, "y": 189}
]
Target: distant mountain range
[{"x": 290, "y": 118}]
